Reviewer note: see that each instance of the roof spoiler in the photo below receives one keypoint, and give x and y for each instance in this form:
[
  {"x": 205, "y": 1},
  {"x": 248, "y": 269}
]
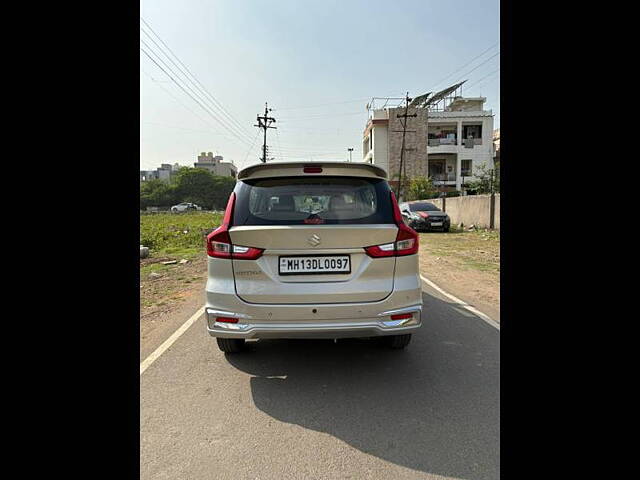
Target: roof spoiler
[{"x": 283, "y": 169}]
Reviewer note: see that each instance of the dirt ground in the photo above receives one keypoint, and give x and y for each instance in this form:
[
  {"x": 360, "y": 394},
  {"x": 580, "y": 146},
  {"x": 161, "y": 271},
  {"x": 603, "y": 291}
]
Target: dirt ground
[
  {"x": 176, "y": 289},
  {"x": 466, "y": 264}
]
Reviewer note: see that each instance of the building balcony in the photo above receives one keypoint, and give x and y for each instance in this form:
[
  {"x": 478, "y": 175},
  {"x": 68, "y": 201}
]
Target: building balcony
[
  {"x": 443, "y": 178},
  {"x": 436, "y": 142},
  {"x": 471, "y": 142}
]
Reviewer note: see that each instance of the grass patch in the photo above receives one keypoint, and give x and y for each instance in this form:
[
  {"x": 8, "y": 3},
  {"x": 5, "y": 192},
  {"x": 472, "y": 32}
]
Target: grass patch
[
  {"x": 177, "y": 234},
  {"x": 477, "y": 249}
]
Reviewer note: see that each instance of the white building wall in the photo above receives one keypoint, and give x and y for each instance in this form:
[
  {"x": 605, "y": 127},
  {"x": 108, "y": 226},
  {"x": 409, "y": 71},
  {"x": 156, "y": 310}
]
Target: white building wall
[
  {"x": 381, "y": 146},
  {"x": 479, "y": 154}
]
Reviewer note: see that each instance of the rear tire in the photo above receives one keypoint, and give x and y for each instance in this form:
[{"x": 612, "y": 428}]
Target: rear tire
[
  {"x": 399, "y": 341},
  {"x": 230, "y": 345},
  {"x": 445, "y": 230}
]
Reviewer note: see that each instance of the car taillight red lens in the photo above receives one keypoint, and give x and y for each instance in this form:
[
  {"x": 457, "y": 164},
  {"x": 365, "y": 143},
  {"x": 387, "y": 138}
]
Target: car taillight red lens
[
  {"x": 406, "y": 240},
  {"x": 401, "y": 316},
  {"x": 312, "y": 169},
  {"x": 219, "y": 243},
  {"x": 226, "y": 319}
]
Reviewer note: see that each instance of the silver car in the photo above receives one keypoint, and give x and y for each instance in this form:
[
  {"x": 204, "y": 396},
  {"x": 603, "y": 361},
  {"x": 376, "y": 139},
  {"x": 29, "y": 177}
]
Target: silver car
[
  {"x": 185, "y": 207},
  {"x": 312, "y": 251}
]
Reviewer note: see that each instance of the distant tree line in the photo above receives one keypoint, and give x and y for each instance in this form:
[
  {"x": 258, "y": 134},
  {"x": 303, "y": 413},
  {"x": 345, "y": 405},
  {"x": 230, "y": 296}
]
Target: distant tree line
[{"x": 195, "y": 185}]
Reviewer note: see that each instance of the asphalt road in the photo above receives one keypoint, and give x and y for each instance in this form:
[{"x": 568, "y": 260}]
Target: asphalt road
[{"x": 318, "y": 409}]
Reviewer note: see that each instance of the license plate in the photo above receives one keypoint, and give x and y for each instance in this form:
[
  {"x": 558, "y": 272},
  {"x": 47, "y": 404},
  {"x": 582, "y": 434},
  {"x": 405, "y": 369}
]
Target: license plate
[
  {"x": 436, "y": 224},
  {"x": 321, "y": 264}
]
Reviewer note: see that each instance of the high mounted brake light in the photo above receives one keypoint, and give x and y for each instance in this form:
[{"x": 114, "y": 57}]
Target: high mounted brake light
[
  {"x": 219, "y": 242},
  {"x": 406, "y": 240},
  {"x": 310, "y": 169}
]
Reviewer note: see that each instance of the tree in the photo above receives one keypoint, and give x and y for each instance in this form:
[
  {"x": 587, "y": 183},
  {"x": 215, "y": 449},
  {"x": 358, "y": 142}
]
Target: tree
[
  {"x": 193, "y": 185},
  {"x": 156, "y": 193},
  {"x": 487, "y": 180},
  {"x": 203, "y": 188},
  {"x": 421, "y": 188}
]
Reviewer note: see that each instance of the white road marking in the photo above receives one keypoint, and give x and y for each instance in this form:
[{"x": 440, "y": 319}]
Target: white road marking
[
  {"x": 462, "y": 303},
  {"x": 169, "y": 341}
]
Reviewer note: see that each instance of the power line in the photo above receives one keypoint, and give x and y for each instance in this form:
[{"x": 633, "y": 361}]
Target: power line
[
  {"x": 215, "y": 100},
  {"x": 251, "y": 147},
  {"x": 200, "y": 94},
  {"x": 478, "y": 66},
  {"x": 321, "y": 105},
  {"x": 314, "y": 117},
  {"x": 463, "y": 66},
  {"x": 207, "y": 109},
  {"x": 187, "y": 108},
  {"x": 278, "y": 143},
  {"x": 486, "y": 76}
]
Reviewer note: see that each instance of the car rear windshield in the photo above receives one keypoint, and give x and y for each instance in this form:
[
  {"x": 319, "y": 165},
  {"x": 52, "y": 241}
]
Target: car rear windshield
[
  {"x": 423, "y": 207},
  {"x": 312, "y": 201}
]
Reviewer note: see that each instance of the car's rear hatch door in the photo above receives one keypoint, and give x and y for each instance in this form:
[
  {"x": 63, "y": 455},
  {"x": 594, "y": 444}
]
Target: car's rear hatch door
[
  {"x": 313, "y": 231},
  {"x": 314, "y": 264}
]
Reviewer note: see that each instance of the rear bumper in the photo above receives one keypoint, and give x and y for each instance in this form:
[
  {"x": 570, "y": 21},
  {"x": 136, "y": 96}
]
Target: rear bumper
[
  {"x": 313, "y": 320},
  {"x": 427, "y": 226},
  {"x": 381, "y": 325}
]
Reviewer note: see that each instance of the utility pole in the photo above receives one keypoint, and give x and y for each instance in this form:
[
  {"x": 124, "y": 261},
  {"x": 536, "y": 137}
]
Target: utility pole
[
  {"x": 264, "y": 123},
  {"x": 350, "y": 150},
  {"x": 404, "y": 132}
]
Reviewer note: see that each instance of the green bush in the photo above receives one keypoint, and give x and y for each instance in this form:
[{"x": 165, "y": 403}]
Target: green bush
[{"x": 421, "y": 188}]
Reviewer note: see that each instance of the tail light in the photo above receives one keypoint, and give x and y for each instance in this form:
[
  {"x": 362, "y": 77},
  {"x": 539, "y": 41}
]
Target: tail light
[
  {"x": 406, "y": 240},
  {"x": 219, "y": 242}
]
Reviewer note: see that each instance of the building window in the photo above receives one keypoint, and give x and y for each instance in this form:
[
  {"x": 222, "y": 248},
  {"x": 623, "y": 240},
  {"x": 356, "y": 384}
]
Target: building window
[
  {"x": 465, "y": 168},
  {"x": 471, "y": 131}
]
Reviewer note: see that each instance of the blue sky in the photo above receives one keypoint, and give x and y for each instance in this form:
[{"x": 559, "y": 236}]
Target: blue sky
[{"x": 316, "y": 63}]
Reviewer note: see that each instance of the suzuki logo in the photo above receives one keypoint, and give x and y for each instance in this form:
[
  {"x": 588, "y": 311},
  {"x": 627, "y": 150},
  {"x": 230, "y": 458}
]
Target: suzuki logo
[{"x": 314, "y": 240}]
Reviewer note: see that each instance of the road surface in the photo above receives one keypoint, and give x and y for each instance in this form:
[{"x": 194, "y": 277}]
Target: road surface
[{"x": 317, "y": 409}]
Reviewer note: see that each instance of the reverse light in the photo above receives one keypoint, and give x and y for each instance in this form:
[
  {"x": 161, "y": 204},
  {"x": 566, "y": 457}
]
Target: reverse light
[
  {"x": 219, "y": 242},
  {"x": 406, "y": 240}
]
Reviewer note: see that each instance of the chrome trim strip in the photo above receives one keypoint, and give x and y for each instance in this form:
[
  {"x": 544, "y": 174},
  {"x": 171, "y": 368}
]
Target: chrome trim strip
[
  {"x": 415, "y": 308},
  {"x": 223, "y": 313}
]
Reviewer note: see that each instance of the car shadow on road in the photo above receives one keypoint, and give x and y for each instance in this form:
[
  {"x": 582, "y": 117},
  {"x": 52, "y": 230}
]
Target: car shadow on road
[{"x": 433, "y": 407}]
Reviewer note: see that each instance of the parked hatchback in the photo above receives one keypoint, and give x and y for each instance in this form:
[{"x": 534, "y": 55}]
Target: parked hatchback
[
  {"x": 312, "y": 251},
  {"x": 423, "y": 216},
  {"x": 184, "y": 207}
]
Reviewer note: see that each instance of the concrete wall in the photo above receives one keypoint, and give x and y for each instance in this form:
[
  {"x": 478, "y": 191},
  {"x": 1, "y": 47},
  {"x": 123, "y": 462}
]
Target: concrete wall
[{"x": 471, "y": 210}]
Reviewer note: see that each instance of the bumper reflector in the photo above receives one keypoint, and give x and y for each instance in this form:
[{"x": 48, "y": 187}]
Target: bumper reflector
[
  {"x": 227, "y": 319},
  {"x": 401, "y": 316}
]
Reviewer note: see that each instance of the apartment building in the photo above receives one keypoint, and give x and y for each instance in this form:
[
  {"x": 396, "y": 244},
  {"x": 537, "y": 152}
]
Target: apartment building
[
  {"x": 164, "y": 172},
  {"x": 216, "y": 165},
  {"x": 448, "y": 137}
]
